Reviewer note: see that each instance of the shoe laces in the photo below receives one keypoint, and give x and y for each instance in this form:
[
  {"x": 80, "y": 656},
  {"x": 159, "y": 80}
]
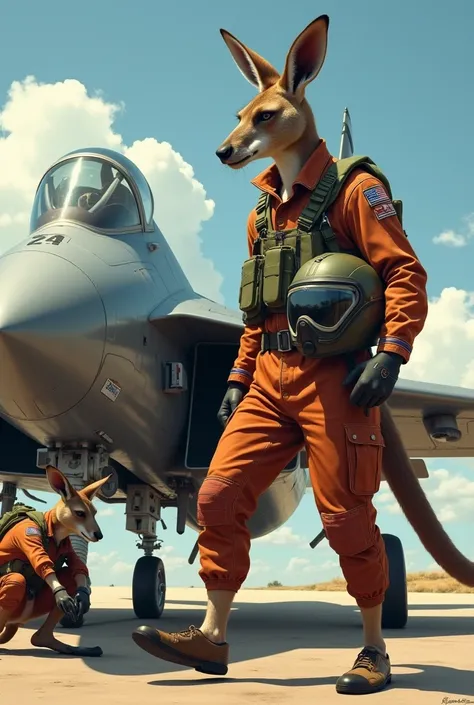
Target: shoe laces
[
  {"x": 367, "y": 658},
  {"x": 186, "y": 633}
]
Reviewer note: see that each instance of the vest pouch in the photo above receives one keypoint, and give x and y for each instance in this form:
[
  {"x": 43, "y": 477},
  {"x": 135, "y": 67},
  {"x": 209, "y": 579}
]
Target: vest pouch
[
  {"x": 278, "y": 273},
  {"x": 250, "y": 294}
]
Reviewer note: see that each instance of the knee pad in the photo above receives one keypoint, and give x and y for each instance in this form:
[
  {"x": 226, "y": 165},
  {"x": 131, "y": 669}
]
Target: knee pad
[
  {"x": 349, "y": 533},
  {"x": 216, "y": 501}
]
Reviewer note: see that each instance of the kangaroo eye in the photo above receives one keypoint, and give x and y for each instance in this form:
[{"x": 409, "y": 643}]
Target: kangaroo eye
[
  {"x": 79, "y": 513},
  {"x": 266, "y": 115}
]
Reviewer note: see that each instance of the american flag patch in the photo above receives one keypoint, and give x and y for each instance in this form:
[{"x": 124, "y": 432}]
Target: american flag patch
[
  {"x": 383, "y": 210},
  {"x": 32, "y": 531},
  {"x": 376, "y": 194}
]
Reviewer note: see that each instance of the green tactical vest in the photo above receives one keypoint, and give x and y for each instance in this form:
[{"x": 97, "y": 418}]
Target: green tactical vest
[
  {"x": 7, "y": 522},
  {"x": 277, "y": 256}
]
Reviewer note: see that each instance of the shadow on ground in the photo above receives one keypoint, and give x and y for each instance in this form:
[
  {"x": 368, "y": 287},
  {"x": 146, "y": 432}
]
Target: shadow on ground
[{"x": 262, "y": 630}]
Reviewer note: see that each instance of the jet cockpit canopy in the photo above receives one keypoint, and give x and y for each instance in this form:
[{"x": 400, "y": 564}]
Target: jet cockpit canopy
[{"x": 98, "y": 188}]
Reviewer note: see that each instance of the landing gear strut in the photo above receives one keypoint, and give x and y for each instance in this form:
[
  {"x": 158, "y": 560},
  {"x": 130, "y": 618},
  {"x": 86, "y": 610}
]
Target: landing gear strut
[{"x": 149, "y": 581}]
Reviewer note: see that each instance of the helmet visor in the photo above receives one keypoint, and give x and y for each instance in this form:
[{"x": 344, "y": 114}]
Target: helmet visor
[{"x": 327, "y": 306}]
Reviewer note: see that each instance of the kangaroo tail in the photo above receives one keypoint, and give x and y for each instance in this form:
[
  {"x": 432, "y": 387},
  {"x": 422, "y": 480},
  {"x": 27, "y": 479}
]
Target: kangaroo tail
[
  {"x": 414, "y": 503},
  {"x": 8, "y": 633}
]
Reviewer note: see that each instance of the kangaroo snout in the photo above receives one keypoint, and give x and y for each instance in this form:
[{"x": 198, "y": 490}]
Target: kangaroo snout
[
  {"x": 225, "y": 152},
  {"x": 98, "y": 535}
]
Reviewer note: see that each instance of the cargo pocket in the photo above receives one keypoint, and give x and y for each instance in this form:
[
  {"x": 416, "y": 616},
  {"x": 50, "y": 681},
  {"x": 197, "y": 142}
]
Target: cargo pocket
[
  {"x": 364, "y": 446},
  {"x": 349, "y": 533},
  {"x": 216, "y": 502}
]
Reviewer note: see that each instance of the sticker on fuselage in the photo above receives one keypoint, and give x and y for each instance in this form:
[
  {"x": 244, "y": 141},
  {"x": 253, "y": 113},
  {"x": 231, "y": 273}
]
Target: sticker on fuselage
[{"x": 111, "y": 390}]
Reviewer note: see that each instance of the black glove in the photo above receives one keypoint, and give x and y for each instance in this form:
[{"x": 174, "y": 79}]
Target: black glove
[
  {"x": 234, "y": 395},
  {"x": 83, "y": 600},
  {"x": 65, "y": 602},
  {"x": 374, "y": 379}
]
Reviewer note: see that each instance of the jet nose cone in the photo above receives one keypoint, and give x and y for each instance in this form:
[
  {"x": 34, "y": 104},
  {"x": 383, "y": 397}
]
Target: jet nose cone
[{"x": 52, "y": 332}]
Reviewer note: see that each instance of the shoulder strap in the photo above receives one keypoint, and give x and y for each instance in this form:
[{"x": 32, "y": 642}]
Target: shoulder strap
[
  {"x": 263, "y": 220},
  {"x": 331, "y": 183},
  {"x": 18, "y": 513}
]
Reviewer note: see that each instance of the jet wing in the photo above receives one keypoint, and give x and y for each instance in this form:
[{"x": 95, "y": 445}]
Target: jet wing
[
  {"x": 418, "y": 407},
  {"x": 197, "y": 319}
]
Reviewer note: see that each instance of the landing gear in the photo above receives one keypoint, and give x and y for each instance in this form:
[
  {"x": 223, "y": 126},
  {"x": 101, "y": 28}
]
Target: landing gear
[
  {"x": 149, "y": 582},
  {"x": 395, "y": 606},
  {"x": 8, "y": 497}
]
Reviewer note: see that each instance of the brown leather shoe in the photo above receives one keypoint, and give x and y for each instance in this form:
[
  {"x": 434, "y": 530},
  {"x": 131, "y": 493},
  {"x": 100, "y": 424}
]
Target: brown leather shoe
[
  {"x": 369, "y": 674},
  {"x": 187, "y": 648}
]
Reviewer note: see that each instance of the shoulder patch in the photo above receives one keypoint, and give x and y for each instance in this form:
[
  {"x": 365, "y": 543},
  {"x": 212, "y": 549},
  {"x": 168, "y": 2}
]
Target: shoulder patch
[
  {"x": 376, "y": 194},
  {"x": 32, "y": 531},
  {"x": 384, "y": 210}
]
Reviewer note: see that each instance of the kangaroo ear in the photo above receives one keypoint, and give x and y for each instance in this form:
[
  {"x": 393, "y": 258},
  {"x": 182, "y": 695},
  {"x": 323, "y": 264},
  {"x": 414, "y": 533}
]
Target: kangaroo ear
[
  {"x": 59, "y": 483},
  {"x": 306, "y": 57},
  {"x": 91, "y": 490},
  {"x": 254, "y": 67}
]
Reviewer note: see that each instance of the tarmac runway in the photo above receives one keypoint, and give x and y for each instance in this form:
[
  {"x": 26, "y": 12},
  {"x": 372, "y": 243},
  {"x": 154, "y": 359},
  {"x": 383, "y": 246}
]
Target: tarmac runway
[{"x": 286, "y": 647}]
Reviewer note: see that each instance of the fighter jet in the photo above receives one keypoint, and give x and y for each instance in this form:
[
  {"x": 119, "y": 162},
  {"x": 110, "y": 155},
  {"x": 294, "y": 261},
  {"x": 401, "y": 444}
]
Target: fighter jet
[{"x": 112, "y": 364}]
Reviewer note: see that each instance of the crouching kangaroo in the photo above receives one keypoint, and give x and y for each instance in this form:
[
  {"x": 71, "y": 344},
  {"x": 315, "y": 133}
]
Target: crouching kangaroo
[{"x": 33, "y": 578}]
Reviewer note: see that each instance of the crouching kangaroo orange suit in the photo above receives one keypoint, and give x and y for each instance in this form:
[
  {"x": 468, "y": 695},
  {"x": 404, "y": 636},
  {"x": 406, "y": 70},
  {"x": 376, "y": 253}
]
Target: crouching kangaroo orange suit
[
  {"x": 23, "y": 543},
  {"x": 33, "y": 549}
]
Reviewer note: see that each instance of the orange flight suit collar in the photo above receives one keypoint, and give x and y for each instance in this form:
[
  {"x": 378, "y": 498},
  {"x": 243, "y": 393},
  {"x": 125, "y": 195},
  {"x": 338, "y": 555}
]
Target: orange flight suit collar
[
  {"x": 314, "y": 168},
  {"x": 51, "y": 521}
]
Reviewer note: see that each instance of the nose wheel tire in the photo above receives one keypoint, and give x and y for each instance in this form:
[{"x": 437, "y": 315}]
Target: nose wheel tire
[
  {"x": 149, "y": 587},
  {"x": 395, "y": 605}
]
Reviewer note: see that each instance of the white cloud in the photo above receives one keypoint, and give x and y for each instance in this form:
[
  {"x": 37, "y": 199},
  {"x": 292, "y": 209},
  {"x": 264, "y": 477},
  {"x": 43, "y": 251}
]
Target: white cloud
[
  {"x": 41, "y": 122},
  {"x": 444, "y": 350},
  {"x": 257, "y": 567},
  {"x": 451, "y": 495},
  {"x": 120, "y": 567},
  {"x": 171, "y": 562},
  {"x": 105, "y": 511},
  {"x": 97, "y": 560},
  {"x": 298, "y": 565},
  {"x": 282, "y": 536},
  {"x": 301, "y": 567},
  {"x": 451, "y": 238}
]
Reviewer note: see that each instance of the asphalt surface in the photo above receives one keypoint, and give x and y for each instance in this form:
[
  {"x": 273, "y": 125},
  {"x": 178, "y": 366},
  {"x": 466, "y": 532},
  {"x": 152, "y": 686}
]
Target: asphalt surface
[{"x": 286, "y": 647}]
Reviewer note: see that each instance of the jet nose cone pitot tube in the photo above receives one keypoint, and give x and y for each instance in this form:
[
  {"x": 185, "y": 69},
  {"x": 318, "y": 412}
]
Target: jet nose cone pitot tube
[{"x": 52, "y": 334}]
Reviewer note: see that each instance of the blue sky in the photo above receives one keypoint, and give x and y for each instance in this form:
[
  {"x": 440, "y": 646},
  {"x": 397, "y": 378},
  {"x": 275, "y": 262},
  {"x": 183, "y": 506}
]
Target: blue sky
[{"x": 403, "y": 74}]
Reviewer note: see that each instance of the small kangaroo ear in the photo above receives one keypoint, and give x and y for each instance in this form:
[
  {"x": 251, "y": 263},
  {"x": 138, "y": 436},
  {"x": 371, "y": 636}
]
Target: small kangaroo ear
[
  {"x": 91, "y": 490},
  {"x": 59, "y": 483}
]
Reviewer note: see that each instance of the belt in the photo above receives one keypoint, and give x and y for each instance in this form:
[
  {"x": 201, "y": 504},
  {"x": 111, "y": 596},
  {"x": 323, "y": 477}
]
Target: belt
[{"x": 281, "y": 341}]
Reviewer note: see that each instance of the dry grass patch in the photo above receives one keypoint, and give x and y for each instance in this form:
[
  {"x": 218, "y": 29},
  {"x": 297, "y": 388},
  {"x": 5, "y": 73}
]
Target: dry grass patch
[{"x": 423, "y": 581}]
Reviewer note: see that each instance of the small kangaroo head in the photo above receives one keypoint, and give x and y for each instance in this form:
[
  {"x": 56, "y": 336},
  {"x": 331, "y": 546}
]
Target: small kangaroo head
[
  {"x": 75, "y": 511},
  {"x": 277, "y": 118}
]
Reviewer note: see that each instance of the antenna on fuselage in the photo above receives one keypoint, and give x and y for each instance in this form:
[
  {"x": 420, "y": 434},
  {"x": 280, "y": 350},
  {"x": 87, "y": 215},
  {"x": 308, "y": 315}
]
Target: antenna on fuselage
[{"x": 347, "y": 146}]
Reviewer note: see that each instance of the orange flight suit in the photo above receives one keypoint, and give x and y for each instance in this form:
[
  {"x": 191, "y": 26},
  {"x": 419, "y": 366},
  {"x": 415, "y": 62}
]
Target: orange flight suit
[
  {"x": 23, "y": 542},
  {"x": 294, "y": 401}
]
